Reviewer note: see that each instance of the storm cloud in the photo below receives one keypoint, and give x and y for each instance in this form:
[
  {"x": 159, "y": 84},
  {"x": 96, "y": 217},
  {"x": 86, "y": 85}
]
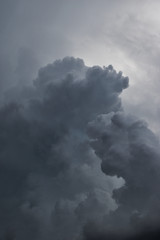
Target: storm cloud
[
  {"x": 75, "y": 163},
  {"x": 51, "y": 181},
  {"x": 130, "y": 150}
]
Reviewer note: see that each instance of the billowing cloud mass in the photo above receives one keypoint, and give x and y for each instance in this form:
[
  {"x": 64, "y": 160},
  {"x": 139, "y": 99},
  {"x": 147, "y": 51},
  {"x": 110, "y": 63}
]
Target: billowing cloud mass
[
  {"x": 130, "y": 150},
  {"x": 76, "y": 161},
  {"x": 123, "y": 33},
  {"x": 74, "y": 166},
  {"x": 51, "y": 180}
]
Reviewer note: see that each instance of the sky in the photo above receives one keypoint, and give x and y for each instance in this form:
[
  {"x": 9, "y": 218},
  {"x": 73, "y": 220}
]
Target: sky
[
  {"x": 79, "y": 119},
  {"x": 122, "y": 33}
]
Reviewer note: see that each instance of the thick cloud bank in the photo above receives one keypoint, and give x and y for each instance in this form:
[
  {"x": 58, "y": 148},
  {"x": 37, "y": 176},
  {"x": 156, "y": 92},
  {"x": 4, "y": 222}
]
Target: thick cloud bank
[
  {"x": 130, "y": 150},
  {"x": 54, "y": 136}
]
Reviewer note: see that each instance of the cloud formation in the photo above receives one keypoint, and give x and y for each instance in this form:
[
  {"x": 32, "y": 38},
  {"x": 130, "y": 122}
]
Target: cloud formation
[
  {"x": 57, "y": 133},
  {"x": 130, "y": 150},
  {"x": 51, "y": 181},
  {"x": 74, "y": 166},
  {"x": 125, "y": 34}
]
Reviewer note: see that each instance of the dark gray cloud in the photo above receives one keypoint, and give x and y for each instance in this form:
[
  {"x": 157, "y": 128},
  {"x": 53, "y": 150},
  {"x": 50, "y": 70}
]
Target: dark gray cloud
[
  {"x": 54, "y": 134},
  {"x": 51, "y": 181},
  {"x": 130, "y": 150}
]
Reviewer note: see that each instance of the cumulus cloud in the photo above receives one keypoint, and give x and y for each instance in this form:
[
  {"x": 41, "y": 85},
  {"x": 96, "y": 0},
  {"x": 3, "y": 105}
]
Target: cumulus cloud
[
  {"x": 125, "y": 34},
  {"x": 74, "y": 166},
  {"x": 68, "y": 153},
  {"x": 51, "y": 180},
  {"x": 130, "y": 150}
]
